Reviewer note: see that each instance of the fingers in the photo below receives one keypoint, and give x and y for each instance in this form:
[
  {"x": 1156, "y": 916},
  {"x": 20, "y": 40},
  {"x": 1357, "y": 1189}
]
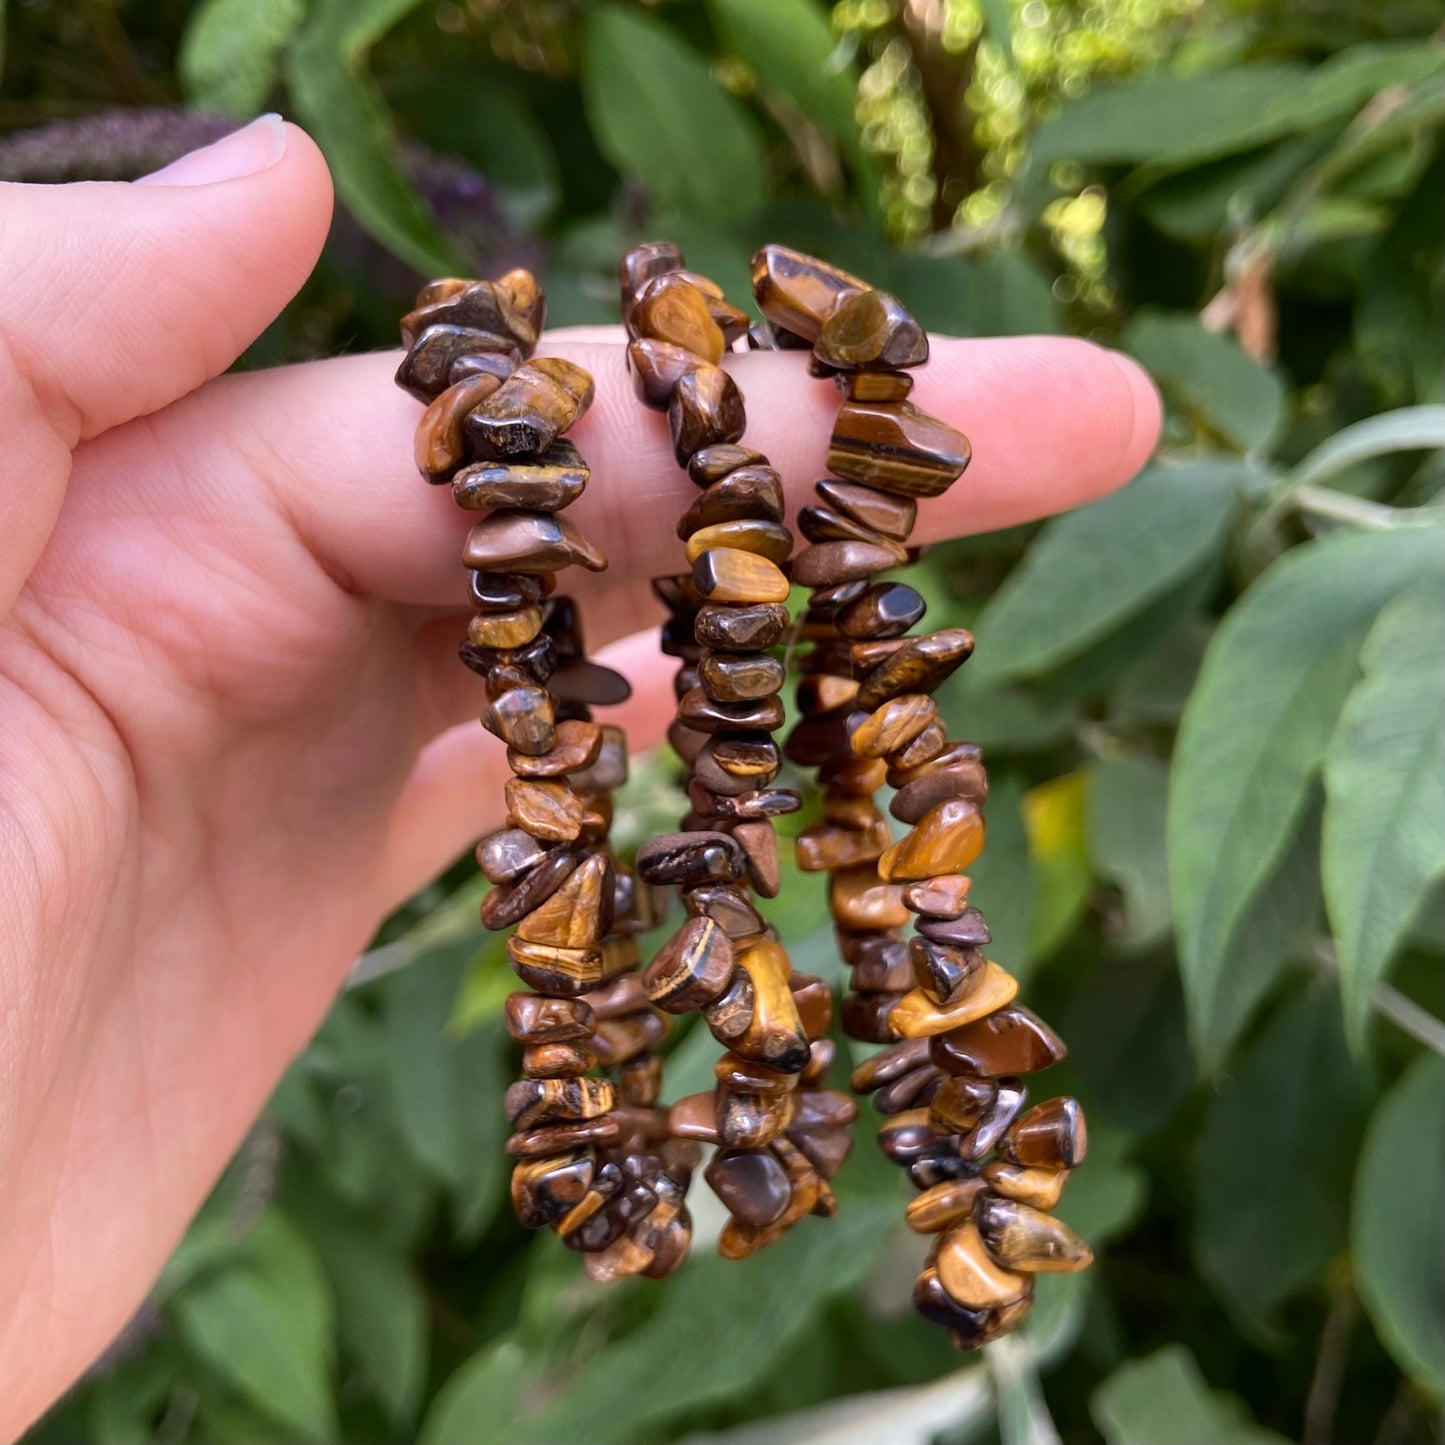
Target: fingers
[
  {"x": 1054, "y": 422},
  {"x": 119, "y": 298}
]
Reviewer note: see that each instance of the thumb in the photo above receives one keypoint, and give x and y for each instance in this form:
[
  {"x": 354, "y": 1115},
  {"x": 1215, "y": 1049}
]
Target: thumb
[{"x": 119, "y": 298}]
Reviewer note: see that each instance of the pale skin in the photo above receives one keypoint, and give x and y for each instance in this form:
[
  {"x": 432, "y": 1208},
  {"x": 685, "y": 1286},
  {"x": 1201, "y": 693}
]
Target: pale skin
[{"x": 233, "y": 730}]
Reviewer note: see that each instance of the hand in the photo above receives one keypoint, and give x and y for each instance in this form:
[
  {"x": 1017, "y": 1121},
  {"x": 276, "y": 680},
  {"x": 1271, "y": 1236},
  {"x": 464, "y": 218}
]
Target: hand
[{"x": 233, "y": 730}]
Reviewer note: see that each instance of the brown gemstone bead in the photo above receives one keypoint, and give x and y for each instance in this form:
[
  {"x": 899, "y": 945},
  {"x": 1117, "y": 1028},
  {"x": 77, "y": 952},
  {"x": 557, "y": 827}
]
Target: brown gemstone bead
[
  {"x": 510, "y": 903},
  {"x": 814, "y": 1001},
  {"x": 885, "y": 970},
  {"x": 965, "y": 780},
  {"x": 745, "y": 1076},
  {"x": 524, "y": 719},
  {"x": 896, "y": 447},
  {"x": 944, "y": 974},
  {"x": 503, "y": 591},
  {"x": 967, "y": 1328},
  {"x": 558, "y": 1138},
  {"x": 505, "y": 629},
  {"x": 754, "y": 759},
  {"x": 619, "y": 1040},
  {"x": 428, "y": 366},
  {"x": 961, "y": 1104},
  {"x": 905, "y": 1136},
  {"x": 943, "y": 1206},
  {"x": 1021, "y": 1237},
  {"x": 871, "y": 328},
  {"x": 657, "y": 367},
  {"x": 440, "y": 444},
  {"x": 528, "y": 542},
  {"x": 543, "y": 1190},
  {"x": 717, "y": 780},
  {"x": 891, "y": 517},
  {"x": 551, "y": 811},
  {"x": 823, "y": 1109},
  {"x": 741, "y": 629},
  {"x": 620, "y": 997},
  {"x": 774, "y": 1034},
  {"x": 818, "y": 742},
  {"x": 866, "y": 1016},
  {"x": 766, "y": 539},
  {"x": 578, "y": 745},
  {"x": 699, "y": 712},
  {"x": 561, "y": 972},
  {"x": 760, "y": 855},
  {"x": 706, "y": 409},
  {"x": 726, "y": 574},
  {"x": 820, "y": 523},
  {"x": 486, "y": 306},
  {"x": 824, "y": 1149},
  {"x": 713, "y": 463},
  {"x": 728, "y": 906},
  {"x": 967, "y": 930},
  {"x": 557, "y": 1061},
  {"x": 694, "y": 1117},
  {"x": 579, "y": 912},
  {"x": 944, "y": 897},
  {"x": 820, "y": 693},
  {"x": 980, "y": 1140},
  {"x": 670, "y": 308},
  {"x": 873, "y": 385},
  {"x": 827, "y": 846},
  {"x": 591, "y": 683},
  {"x": 610, "y": 770},
  {"x": 859, "y": 900},
  {"x": 891, "y": 727},
  {"x": 748, "y": 1121},
  {"x": 917, "y": 1016},
  {"x": 639, "y": 1081},
  {"x": 798, "y": 292},
  {"x": 520, "y": 286},
  {"x": 690, "y": 858},
  {"x": 1040, "y": 1187},
  {"x": 889, "y": 1064},
  {"x": 547, "y": 484},
  {"x": 887, "y": 609},
  {"x": 1011, "y": 1041},
  {"x": 752, "y": 1184},
  {"x": 829, "y": 563},
  {"x": 541, "y": 399},
  {"x": 919, "y": 665},
  {"x": 945, "y": 840},
  {"x": 692, "y": 969},
  {"x": 641, "y": 263},
  {"x": 1052, "y": 1135},
  {"x": 760, "y": 803},
  {"x": 532, "y": 1019},
  {"x": 508, "y": 854},
  {"x": 970, "y": 1275},
  {"x": 912, "y": 1091},
  {"x": 536, "y": 1101},
  {"x": 749, "y": 492},
  {"x": 855, "y": 777}
]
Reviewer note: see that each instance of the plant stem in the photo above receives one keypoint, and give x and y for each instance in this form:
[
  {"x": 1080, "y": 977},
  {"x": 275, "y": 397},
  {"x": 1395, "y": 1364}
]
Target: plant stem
[
  {"x": 1342, "y": 507},
  {"x": 1324, "y": 1394},
  {"x": 1404, "y": 1013}
]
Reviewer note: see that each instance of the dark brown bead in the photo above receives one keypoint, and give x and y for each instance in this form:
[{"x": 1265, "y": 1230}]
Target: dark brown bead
[
  {"x": 559, "y": 972},
  {"x": 967, "y": 781},
  {"x": 824, "y": 1149},
  {"x": 749, "y": 534},
  {"x": 1023, "y": 1238},
  {"x": 798, "y": 292},
  {"x": 694, "y": 1117},
  {"x": 896, "y": 447},
  {"x": 558, "y": 1138},
  {"x": 524, "y": 719},
  {"x": 828, "y": 602},
  {"x": 865, "y": 1016},
  {"x": 547, "y": 810},
  {"x": 557, "y": 1061},
  {"x": 823, "y": 692},
  {"x": 564, "y": 627},
  {"x": 1011, "y": 1041},
  {"x": 503, "y": 591},
  {"x": 912, "y": 1091},
  {"x": 641, "y": 263},
  {"x": 657, "y": 367},
  {"x": 692, "y": 969},
  {"x": 486, "y": 306},
  {"x": 920, "y": 665},
  {"x": 578, "y": 913},
  {"x": 740, "y": 677},
  {"x": 728, "y": 906},
  {"x": 706, "y": 409},
  {"x": 887, "y": 609},
  {"x": 532, "y": 1019},
  {"x": 759, "y": 843},
  {"x": 904, "y": 1137},
  {"x": 814, "y": 1001},
  {"x": 1051, "y": 1135},
  {"x": 745, "y": 1076},
  {"x": 552, "y": 481},
  {"x": 760, "y": 803},
  {"x": 619, "y": 997},
  {"x": 823, "y": 1109},
  {"x": 752, "y": 1185},
  {"x": 829, "y": 563},
  {"x": 510, "y": 903},
  {"x": 619, "y": 1040},
  {"x": 943, "y": 1206},
  {"x": 543, "y": 1190},
  {"x": 961, "y": 1103},
  {"x": 891, "y": 727},
  {"x": 540, "y": 399},
  {"x": 639, "y": 1081},
  {"x": 872, "y": 328},
  {"x": 591, "y": 683},
  {"x": 439, "y": 446},
  {"x": 889, "y": 1064},
  {"x": 726, "y": 574},
  {"x": 890, "y": 516},
  {"x": 873, "y": 385},
  {"x": 610, "y": 769},
  {"x": 748, "y": 492},
  {"x": 741, "y": 629},
  {"x": 885, "y": 969},
  {"x": 824, "y": 847},
  {"x": 818, "y": 742},
  {"x": 820, "y": 523},
  {"x": 859, "y": 900},
  {"x": 578, "y": 745},
  {"x": 953, "y": 755},
  {"x": 713, "y": 463},
  {"x": 670, "y": 308},
  {"x": 690, "y": 858},
  {"x": 528, "y": 542},
  {"x": 980, "y": 1140},
  {"x": 754, "y": 759},
  {"x": 939, "y": 1307},
  {"x": 944, "y": 897},
  {"x": 967, "y": 930},
  {"x": 747, "y": 1121},
  {"x": 927, "y": 747},
  {"x": 699, "y": 712},
  {"x": 729, "y": 1015},
  {"x": 426, "y": 369},
  {"x": 535, "y": 1101},
  {"x": 945, "y": 974}
]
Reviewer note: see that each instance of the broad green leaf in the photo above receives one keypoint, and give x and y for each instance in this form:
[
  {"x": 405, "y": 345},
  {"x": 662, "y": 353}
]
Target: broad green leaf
[
  {"x": 1411, "y": 428},
  {"x": 658, "y": 114},
  {"x": 1053, "y": 815},
  {"x": 479, "y": 1400},
  {"x": 1398, "y": 1227},
  {"x": 344, "y": 111},
  {"x": 262, "y": 1320},
  {"x": 230, "y": 54},
  {"x": 1128, "y": 799},
  {"x": 791, "y": 46},
  {"x": 1207, "y": 379},
  {"x": 1384, "y": 830},
  {"x": 1163, "y": 1399},
  {"x": 1092, "y": 570},
  {"x": 1156, "y": 685},
  {"x": 1253, "y": 740},
  {"x": 997, "y": 293},
  {"x": 1007, "y": 719},
  {"x": 1272, "y": 1204},
  {"x": 1178, "y": 119},
  {"x": 1004, "y": 886}
]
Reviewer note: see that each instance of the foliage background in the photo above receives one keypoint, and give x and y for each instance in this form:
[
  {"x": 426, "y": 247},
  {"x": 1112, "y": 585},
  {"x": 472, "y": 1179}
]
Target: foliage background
[{"x": 1213, "y": 706}]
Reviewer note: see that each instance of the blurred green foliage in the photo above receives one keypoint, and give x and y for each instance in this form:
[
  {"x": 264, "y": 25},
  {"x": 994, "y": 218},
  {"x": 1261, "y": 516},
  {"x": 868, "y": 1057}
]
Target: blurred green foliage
[{"x": 1213, "y": 706}]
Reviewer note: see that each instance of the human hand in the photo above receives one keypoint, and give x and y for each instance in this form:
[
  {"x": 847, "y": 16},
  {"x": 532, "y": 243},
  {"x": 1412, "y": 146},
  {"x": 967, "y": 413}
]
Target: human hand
[{"x": 233, "y": 730}]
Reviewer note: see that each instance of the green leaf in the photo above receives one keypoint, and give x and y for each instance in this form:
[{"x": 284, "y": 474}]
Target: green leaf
[
  {"x": 479, "y": 1400},
  {"x": 998, "y": 293},
  {"x": 1411, "y": 428},
  {"x": 1384, "y": 832},
  {"x": 1398, "y": 1227},
  {"x": 344, "y": 111},
  {"x": 230, "y": 53},
  {"x": 1090, "y": 571},
  {"x": 1207, "y": 379},
  {"x": 262, "y": 1320},
  {"x": 1272, "y": 1203},
  {"x": 658, "y": 114},
  {"x": 1179, "y": 119},
  {"x": 1063, "y": 875},
  {"x": 1004, "y": 886},
  {"x": 1164, "y": 1400},
  {"x": 1252, "y": 743},
  {"x": 1128, "y": 799},
  {"x": 791, "y": 46}
]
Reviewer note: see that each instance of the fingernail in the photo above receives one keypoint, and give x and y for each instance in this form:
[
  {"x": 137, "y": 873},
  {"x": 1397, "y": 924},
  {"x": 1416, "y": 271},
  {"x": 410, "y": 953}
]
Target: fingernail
[{"x": 255, "y": 147}]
